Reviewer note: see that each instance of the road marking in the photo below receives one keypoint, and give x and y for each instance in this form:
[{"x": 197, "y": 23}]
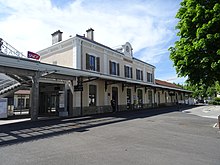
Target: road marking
[{"x": 215, "y": 125}]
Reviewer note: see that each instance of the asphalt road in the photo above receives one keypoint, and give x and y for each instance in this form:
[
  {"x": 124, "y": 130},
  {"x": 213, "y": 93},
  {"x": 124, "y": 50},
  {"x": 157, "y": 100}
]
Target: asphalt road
[{"x": 139, "y": 138}]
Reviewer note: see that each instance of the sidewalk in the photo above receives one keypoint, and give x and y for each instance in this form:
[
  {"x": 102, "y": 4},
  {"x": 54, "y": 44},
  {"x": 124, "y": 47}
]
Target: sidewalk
[
  {"x": 208, "y": 111},
  {"x": 21, "y": 118},
  {"x": 151, "y": 111}
]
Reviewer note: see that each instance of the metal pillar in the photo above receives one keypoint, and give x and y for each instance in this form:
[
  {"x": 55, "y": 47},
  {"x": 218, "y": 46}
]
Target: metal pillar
[
  {"x": 65, "y": 97},
  {"x": 35, "y": 96},
  {"x": 64, "y": 113},
  {"x": 81, "y": 97}
]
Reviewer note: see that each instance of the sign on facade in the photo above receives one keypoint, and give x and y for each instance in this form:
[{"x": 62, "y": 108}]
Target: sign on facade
[
  {"x": 33, "y": 55},
  {"x": 3, "y": 108},
  {"x": 78, "y": 88}
]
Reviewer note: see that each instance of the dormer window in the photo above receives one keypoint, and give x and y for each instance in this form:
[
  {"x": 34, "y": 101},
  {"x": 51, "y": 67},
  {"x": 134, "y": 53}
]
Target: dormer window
[{"x": 127, "y": 49}]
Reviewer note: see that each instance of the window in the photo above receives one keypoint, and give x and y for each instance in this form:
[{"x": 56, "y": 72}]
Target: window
[
  {"x": 140, "y": 97},
  {"x": 92, "y": 95},
  {"x": 166, "y": 97},
  {"x": 128, "y": 98},
  {"x": 149, "y": 77},
  {"x": 158, "y": 97},
  {"x": 139, "y": 74},
  {"x": 21, "y": 102},
  {"x": 114, "y": 68},
  {"x": 92, "y": 63},
  {"x": 128, "y": 71}
]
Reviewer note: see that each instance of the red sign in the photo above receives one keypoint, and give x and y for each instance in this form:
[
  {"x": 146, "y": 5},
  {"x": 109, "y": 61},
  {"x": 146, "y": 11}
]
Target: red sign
[{"x": 33, "y": 55}]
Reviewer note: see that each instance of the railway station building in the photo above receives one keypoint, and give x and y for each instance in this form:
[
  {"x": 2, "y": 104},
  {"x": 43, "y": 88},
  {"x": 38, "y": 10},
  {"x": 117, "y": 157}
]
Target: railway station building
[{"x": 115, "y": 80}]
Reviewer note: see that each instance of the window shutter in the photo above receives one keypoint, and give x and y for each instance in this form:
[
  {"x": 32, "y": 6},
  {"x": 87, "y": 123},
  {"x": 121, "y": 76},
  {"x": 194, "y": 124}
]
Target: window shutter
[
  {"x": 98, "y": 64},
  {"x": 136, "y": 74},
  {"x": 125, "y": 71},
  {"x": 110, "y": 67},
  {"x": 87, "y": 61},
  {"x": 118, "y": 71}
]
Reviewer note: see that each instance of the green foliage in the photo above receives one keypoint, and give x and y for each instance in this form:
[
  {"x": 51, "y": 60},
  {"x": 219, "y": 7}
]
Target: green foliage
[
  {"x": 198, "y": 90},
  {"x": 217, "y": 99},
  {"x": 179, "y": 85},
  {"x": 201, "y": 91},
  {"x": 197, "y": 53}
]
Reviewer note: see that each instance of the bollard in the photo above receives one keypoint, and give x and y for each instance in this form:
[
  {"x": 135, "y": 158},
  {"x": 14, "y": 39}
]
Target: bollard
[{"x": 219, "y": 121}]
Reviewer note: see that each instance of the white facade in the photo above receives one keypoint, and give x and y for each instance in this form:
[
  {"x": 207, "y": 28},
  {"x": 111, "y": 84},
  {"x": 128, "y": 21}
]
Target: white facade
[{"x": 128, "y": 81}]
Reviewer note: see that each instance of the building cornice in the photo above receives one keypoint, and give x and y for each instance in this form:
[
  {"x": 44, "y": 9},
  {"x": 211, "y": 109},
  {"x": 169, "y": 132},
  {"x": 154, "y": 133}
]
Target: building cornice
[{"x": 115, "y": 51}]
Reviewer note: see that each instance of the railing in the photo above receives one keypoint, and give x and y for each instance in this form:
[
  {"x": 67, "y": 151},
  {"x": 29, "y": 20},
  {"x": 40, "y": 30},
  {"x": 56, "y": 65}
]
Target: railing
[{"x": 6, "y": 48}]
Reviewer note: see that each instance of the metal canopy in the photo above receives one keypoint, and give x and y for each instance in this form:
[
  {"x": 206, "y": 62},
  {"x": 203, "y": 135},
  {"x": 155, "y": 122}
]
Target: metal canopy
[{"x": 28, "y": 67}]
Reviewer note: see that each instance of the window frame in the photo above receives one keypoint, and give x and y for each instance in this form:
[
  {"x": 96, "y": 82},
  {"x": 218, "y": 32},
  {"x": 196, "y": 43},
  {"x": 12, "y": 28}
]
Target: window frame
[
  {"x": 114, "y": 68},
  {"x": 92, "y": 95},
  {"x": 128, "y": 71},
  {"x": 149, "y": 77},
  {"x": 139, "y": 74},
  {"x": 92, "y": 62}
]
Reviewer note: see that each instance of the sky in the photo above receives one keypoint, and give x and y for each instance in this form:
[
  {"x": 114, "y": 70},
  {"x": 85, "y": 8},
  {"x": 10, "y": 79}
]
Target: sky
[{"x": 149, "y": 25}]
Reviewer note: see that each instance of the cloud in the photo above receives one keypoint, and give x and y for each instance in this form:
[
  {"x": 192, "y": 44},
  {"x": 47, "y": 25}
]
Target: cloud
[{"x": 27, "y": 25}]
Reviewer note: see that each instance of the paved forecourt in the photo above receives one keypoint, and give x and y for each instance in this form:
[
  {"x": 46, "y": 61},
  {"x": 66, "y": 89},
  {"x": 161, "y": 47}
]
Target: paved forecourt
[
  {"x": 125, "y": 138},
  {"x": 209, "y": 111}
]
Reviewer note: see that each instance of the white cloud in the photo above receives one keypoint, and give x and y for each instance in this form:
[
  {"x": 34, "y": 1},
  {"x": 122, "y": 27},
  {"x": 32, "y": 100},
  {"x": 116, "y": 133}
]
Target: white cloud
[{"x": 145, "y": 24}]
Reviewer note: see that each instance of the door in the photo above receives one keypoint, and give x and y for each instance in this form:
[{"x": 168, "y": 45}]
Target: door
[
  {"x": 140, "y": 98},
  {"x": 158, "y": 98},
  {"x": 115, "y": 99},
  {"x": 128, "y": 98}
]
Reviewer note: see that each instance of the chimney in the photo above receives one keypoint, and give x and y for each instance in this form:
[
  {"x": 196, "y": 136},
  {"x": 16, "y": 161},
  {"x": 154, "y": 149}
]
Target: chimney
[
  {"x": 56, "y": 37},
  {"x": 90, "y": 34}
]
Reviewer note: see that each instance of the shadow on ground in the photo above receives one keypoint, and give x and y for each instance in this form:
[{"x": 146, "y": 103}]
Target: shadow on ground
[{"x": 33, "y": 130}]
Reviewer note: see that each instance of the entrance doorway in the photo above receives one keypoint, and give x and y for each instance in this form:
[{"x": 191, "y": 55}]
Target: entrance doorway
[
  {"x": 114, "y": 99},
  {"x": 49, "y": 103},
  {"x": 140, "y": 98},
  {"x": 128, "y": 98},
  {"x": 158, "y": 98}
]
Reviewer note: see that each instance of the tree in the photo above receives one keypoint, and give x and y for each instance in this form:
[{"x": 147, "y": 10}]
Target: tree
[
  {"x": 197, "y": 52},
  {"x": 200, "y": 91}
]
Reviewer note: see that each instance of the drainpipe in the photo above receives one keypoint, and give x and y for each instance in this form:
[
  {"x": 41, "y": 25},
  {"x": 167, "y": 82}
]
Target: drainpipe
[{"x": 81, "y": 54}]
